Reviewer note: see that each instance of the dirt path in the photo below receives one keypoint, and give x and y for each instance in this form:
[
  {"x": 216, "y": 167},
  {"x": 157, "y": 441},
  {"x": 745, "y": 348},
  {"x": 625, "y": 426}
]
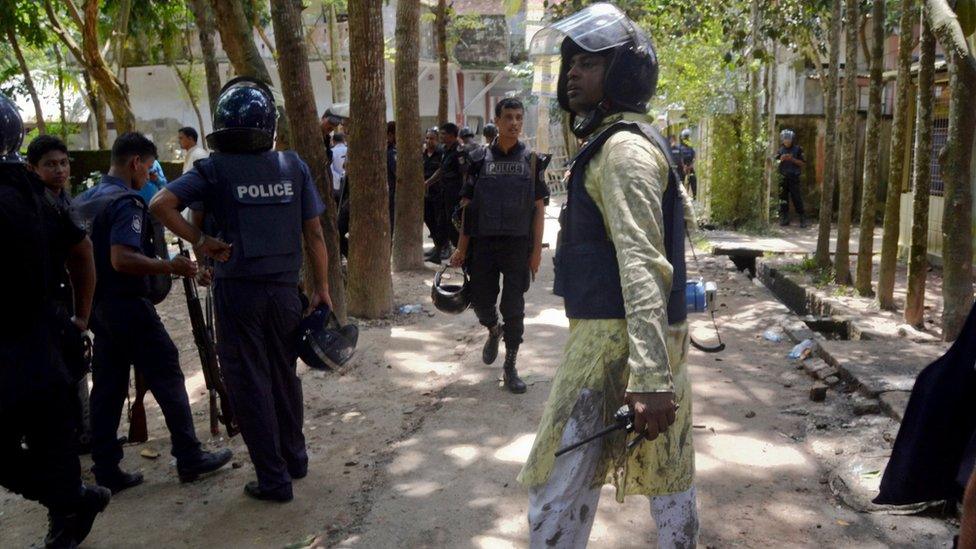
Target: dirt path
[{"x": 418, "y": 446}]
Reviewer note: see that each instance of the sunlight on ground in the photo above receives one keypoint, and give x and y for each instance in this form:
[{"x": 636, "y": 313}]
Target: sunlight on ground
[
  {"x": 418, "y": 489},
  {"x": 463, "y": 455},
  {"x": 549, "y": 317},
  {"x": 491, "y": 542},
  {"x": 516, "y": 451},
  {"x": 749, "y": 451},
  {"x": 406, "y": 462}
]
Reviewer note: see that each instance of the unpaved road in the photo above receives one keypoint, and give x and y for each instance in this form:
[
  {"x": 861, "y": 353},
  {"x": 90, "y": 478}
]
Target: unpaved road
[{"x": 417, "y": 445}]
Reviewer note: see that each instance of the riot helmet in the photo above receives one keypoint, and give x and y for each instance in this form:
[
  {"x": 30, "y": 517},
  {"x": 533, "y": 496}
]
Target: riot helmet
[
  {"x": 465, "y": 133},
  {"x": 787, "y": 135},
  {"x": 490, "y": 131},
  {"x": 450, "y": 298},
  {"x": 11, "y": 132},
  {"x": 631, "y": 73},
  {"x": 323, "y": 343},
  {"x": 685, "y": 135},
  {"x": 244, "y": 118}
]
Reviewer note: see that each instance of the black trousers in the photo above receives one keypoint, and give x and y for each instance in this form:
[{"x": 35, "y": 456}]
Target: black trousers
[
  {"x": 47, "y": 470},
  {"x": 434, "y": 218},
  {"x": 789, "y": 188},
  {"x": 492, "y": 259},
  {"x": 128, "y": 332},
  {"x": 450, "y": 198},
  {"x": 257, "y": 323}
]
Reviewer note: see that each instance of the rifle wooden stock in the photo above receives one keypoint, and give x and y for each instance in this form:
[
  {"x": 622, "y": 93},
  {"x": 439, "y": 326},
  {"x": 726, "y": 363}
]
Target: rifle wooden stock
[
  {"x": 138, "y": 431},
  {"x": 220, "y": 410}
]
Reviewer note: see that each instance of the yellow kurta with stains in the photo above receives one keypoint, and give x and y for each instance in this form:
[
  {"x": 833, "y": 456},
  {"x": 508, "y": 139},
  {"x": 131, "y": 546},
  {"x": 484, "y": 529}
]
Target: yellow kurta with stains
[{"x": 642, "y": 353}]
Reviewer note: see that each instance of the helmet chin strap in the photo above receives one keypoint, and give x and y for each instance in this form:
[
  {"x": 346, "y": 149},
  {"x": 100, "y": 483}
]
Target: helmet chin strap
[{"x": 591, "y": 120}]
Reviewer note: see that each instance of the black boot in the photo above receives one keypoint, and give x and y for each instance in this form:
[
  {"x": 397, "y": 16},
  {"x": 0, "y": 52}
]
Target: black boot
[
  {"x": 117, "y": 480},
  {"x": 511, "y": 377},
  {"x": 281, "y": 495},
  {"x": 94, "y": 500},
  {"x": 207, "y": 462},
  {"x": 60, "y": 535},
  {"x": 433, "y": 256},
  {"x": 490, "y": 351}
]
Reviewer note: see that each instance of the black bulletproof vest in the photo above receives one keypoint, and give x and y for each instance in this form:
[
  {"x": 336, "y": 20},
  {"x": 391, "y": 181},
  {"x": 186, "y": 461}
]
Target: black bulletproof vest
[
  {"x": 94, "y": 213},
  {"x": 587, "y": 272},
  {"x": 503, "y": 195},
  {"x": 789, "y": 168},
  {"x": 257, "y": 206}
]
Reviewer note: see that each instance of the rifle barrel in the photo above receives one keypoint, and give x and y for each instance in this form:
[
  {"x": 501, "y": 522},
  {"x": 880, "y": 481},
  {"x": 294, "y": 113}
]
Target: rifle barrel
[{"x": 591, "y": 438}]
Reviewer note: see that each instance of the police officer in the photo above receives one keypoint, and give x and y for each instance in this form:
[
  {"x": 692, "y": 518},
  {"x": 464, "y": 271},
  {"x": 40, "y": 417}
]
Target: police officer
[
  {"x": 467, "y": 140},
  {"x": 250, "y": 189},
  {"x": 686, "y": 159},
  {"x": 433, "y": 209},
  {"x": 450, "y": 176},
  {"x": 620, "y": 270},
  {"x": 47, "y": 157},
  {"x": 127, "y": 328},
  {"x": 37, "y": 459},
  {"x": 791, "y": 162},
  {"x": 504, "y": 219}
]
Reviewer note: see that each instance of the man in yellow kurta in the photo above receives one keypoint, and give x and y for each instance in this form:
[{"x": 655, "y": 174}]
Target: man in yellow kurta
[{"x": 620, "y": 270}]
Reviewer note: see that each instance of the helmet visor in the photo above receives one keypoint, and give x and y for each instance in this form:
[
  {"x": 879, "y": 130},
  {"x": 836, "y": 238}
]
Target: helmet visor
[{"x": 597, "y": 28}]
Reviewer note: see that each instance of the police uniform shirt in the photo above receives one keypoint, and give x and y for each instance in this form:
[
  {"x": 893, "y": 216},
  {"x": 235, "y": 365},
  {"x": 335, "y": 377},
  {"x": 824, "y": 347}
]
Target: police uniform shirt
[
  {"x": 790, "y": 168},
  {"x": 686, "y": 155},
  {"x": 432, "y": 161},
  {"x": 127, "y": 216},
  {"x": 454, "y": 163}
]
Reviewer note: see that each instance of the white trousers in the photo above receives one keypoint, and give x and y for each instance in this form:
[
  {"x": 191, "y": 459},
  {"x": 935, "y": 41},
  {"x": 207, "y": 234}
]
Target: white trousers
[{"x": 562, "y": 510}]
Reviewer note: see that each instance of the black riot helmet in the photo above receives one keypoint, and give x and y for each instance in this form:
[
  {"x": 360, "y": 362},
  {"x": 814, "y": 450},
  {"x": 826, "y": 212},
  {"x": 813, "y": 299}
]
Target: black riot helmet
[
  {"x": 632, "y": 69},
  {"x": 452, "y": 299},
  {"x": 323, "y": 343},
  {"x": 11, "y": 132},
  {"x": 244, "y": 118},
  {"x": 490, "y": 131}
]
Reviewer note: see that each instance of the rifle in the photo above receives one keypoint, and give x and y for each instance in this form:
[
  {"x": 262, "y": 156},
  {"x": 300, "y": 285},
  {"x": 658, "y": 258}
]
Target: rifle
[
  {"x": 138, "y": 432},
  {"x": 220, "y": 410}
]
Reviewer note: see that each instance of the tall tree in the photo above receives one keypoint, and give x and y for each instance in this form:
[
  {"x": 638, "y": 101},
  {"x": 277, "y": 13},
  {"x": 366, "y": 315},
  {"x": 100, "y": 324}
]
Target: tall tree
[
  {"x": 918, "y": 264},
  {"x": 408, "y": 236},
  {"x": 872, "y": 153},
  {"x": 772, "y": 139},
  {"x": 237, "y": 39},
  {"x": 956, "y": 161},
  {"x": 848, "y": 135},
  {"x": 59, "y": 61},
  {"x": 286, "y": 18},
  {"x": 896, "y": 166},
  {"x": 830, "y": 154},
  {"x": 203, "y": 15},
  {"x": 370, "y": 283},
  {"x": 28, "y": 80},
  {"x": 340, "y": 86},
  {"x": 90, "y": 56},
  {"x": 440, "y": 37}
]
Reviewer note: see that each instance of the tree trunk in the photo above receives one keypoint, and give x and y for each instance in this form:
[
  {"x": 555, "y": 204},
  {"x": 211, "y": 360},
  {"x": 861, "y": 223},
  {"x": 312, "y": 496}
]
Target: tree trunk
[
  {"x": 28, "y": 81},
  {"x": 872, "y": 153},
  {"x": 899, "y": 136},
  {"x": 204, "y": 18},
  {"x": 61, "y": 109},
  {"x": 918, "y": 264},
  {"x": 191, "y": 94},
  {"x": 109, "y": 85},
  {"x": 120, "y": 34},
  {"x": 370, "y": 284},
  {"x": 286, "y": 18},
  {"x": 957, "y": 219},
  {"x": 256, "y": 23},
  {"x": 237, "y": 39},
  {"x": 97, "y": 106},
  {"x": 830, "y": 153},
  {"x": 408, "y": 234},
  {"x": 771, "y": 137},
  {"x": 340, "y": 90},
  {"x": 440, "y": 32},
  {"x": 848, "y": 147}
]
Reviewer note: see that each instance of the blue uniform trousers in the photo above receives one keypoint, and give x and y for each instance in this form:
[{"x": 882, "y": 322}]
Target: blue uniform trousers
[
  {"x": 256, "y": 330},
  {"x": 129, "y": 332}
]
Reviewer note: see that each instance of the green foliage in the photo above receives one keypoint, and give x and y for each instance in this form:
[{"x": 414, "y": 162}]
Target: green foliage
[{"x": 735, "y": 172}]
